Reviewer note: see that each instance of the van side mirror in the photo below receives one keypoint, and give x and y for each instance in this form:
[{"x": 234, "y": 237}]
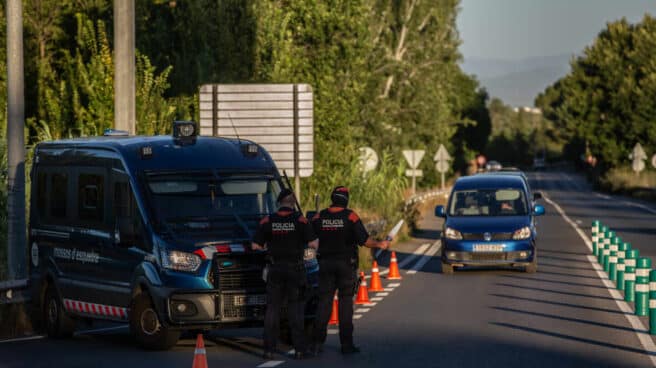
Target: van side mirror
[
  {"x": 538, "y": 210},
  {"x": 537, "y": 195},
  {"x": 439, "y": 211},
  {"x": 126, "y": 232}
]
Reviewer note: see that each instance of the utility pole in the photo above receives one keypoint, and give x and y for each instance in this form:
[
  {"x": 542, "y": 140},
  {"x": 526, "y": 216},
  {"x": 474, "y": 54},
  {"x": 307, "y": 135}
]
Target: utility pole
[
  {"x": 124, "y": 66},
  {"x": 15, "y": 142}
]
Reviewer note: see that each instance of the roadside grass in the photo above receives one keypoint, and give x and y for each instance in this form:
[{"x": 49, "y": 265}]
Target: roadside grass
[{"x": 624, "y": 180}]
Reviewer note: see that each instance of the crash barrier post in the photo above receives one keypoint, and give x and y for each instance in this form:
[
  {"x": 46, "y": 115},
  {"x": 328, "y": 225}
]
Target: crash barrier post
[
  {"x": 621, "y": 267},
  {"x": 642, "y": 286},
  {"x": 604, "y": 247},
  {"x": 612, "y": 266},
  {"x": 595, "y": 236},
  {"x": 606, "y": 255},
  {"x": 630, "y": 275},
  {"x": 652, "y": 302}
]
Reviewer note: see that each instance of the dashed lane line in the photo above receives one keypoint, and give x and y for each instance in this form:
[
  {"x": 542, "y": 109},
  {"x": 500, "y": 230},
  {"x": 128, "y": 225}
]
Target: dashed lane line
[
  {"x": 382, "y": 294},
  {"x": 271, "y": 363},
  {"x": 376, "y": 299},
  {"x": 427, "y": 257},
  {"x": 636, "y": 323},
  {"x": 388, "y": 289},
  {"x": 357, "y": 316},
  {"x": 29, "y": 338},
  {"x": 362, "y": 310},
  {"x": 396, "y": 284}
]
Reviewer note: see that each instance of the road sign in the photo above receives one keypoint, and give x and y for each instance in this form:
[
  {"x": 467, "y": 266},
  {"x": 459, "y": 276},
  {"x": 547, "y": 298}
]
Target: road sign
[
  {"x": 413, "y": 157},
  {"x": 414, "y": 173},
  {"x": 638, "y": 156},
  {"x": 277, "y": 116},
  {"x": 368, "y": 159},
  {"x": 442, "y": 159}
]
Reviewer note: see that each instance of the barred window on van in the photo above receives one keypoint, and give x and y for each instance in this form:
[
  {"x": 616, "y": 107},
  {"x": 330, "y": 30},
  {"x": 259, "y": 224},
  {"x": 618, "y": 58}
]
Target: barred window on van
[{"x": 91, "y": 197}]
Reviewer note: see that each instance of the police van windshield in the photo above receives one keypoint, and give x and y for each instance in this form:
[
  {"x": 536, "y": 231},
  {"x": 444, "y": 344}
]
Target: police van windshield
[
  {"x": 488, "y": 202},
  {"x": 209, "y": 205}
]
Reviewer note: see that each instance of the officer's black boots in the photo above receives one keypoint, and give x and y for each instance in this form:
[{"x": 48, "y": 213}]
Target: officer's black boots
[{"x": 350, "y": 349}]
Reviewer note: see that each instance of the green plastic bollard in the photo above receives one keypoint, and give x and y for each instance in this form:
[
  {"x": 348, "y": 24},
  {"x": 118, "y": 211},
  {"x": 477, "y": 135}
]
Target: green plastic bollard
[
  {"x": 621, "y": 267},
  {"x": 595, "y": 236},
  {"x": 629, "y": 275},
  {"x": 652, "y": 302},
  {"x": 612, "y": 266},
  {"x": 614, "y": 247},
  {"x": 642, "y": 286},
  {"x": 604, "y": 247}
]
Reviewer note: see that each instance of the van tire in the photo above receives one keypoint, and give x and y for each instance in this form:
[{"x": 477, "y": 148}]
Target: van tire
[
  {"x": 146, "y": 326},
  {"x": 447, "y": 269},
  {"x": 533, "y": 266},
  {"x": 58, "y": 324}
]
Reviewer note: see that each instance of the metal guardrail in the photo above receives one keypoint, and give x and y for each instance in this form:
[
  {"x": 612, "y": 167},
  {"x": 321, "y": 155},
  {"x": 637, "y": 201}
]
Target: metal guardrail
[
  {"x": 14, "y": 291},
  {"x": 425, "y": 196}
]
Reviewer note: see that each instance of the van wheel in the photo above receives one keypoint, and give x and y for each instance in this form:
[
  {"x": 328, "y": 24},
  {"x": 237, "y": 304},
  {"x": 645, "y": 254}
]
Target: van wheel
[
  {"x": 58, "y": 323},
  {"x": 447, "y": 269},
  {"x": 533, "y": 266},
  {"x": 147, "y": 328}
]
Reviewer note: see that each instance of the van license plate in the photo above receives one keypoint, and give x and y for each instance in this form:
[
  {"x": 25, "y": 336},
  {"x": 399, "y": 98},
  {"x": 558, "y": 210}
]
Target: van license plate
[
  {"x": 488, "y": 247},
  {"x": 242, "y": 300}
]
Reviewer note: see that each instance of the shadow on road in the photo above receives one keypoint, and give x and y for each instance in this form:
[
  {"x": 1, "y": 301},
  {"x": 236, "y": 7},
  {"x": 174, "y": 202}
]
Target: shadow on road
[
  {"x": 569, "y": 319},
  {"x": 572, "y": 338},
  {"x": 563, "y": 304},
  {"x": 554, "y": 291}
]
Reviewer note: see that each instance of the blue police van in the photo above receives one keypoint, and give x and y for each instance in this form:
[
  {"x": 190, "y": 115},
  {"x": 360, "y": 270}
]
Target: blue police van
[
  {"x": 153, "y": 231},
  {"x": 490, "y": 220}
]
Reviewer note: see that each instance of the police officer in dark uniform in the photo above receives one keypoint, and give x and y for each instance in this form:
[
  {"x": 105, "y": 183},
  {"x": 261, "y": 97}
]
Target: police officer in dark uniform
[
  {"x": 340, "y": 232},
  {"x": 283, "y": 235}
]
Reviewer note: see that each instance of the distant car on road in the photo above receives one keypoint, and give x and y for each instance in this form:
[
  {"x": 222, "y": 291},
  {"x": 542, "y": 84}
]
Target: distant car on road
[
  {"x": 493, "y": 166},
  {"x": 489, "y": 221}
]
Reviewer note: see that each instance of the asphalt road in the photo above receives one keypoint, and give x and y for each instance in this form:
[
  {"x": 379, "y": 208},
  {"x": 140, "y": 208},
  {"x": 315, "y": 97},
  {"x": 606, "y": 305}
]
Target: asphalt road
[{"x": 562, "y": 316}]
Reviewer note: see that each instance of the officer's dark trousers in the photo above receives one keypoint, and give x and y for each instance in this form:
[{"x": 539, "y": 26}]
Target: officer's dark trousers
[
  {"x": 334, "y": 275},
  {"x": 285, "y": 282}
]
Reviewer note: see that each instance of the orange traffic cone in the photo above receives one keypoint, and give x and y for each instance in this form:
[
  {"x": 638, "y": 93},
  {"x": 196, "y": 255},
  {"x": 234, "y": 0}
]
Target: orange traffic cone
[
  {"x": 200, "y": 358},
  {"x": 363, "y": 295},
  {"x": 376, "y": 285},
  {"x": 334, "y": 315},
  {"x": 393, "y": 269}
]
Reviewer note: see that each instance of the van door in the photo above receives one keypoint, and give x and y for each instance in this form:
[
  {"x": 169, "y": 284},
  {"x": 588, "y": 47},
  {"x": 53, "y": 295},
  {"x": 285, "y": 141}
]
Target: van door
[
  {"x": 51, "y": 215},
  {"x": 128, "y": 247},
  {"x": 89, "y": 233}
]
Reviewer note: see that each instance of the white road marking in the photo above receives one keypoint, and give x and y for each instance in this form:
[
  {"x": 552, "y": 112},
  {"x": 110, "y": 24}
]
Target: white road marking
[
  {"x": 427, "y": 257},
  {"x": 106, "y": 329},
  {"x": 382, "y": 294},
  {"x": 357, "y": 316},
  {"x": 370, "y": 304},
  {"x": 602, "y": 196},
  {"x": 396, "y": 284},
  {"x": 291, "y": 352},
  {"x": 333, "y": 332},
  {"x": 271, "y": 363},
  {"x": 636, "y": 323},
  {"x": 419, "y": 251},
  {"x": 362, "y": 310},
  {"x": 376, "y": 299},
  {"x": 37, "y": 337}
]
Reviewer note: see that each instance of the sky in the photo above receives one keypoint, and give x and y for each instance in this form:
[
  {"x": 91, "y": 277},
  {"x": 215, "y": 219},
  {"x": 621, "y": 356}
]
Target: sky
[{"x": 519, "y": 29}]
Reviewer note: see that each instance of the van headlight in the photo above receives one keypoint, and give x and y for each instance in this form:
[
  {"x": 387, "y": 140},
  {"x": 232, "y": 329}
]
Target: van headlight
[
  {"x": 523, "y": 233},
  {"x": 180, "y": 261},
  {"x": 452, "y": 234}
]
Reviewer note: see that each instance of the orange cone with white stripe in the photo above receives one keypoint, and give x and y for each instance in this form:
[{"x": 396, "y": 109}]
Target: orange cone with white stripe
[
  {"x": 200, "y": 358},
  {"x": 363, "y": 295},
  {"x": 376, "y": 284},
  {"x": 334, "y": 315},
  {"x": 394, "y": 273}
]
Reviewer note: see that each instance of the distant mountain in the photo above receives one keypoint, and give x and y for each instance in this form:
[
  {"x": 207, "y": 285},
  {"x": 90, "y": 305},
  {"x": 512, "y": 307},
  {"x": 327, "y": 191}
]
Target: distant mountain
[{"x": 518, "y": 82}]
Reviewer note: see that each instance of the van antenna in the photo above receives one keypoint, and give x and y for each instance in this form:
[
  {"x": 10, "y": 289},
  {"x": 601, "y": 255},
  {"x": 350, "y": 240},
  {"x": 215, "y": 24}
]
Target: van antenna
[{"x": 234, "y": 128}]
